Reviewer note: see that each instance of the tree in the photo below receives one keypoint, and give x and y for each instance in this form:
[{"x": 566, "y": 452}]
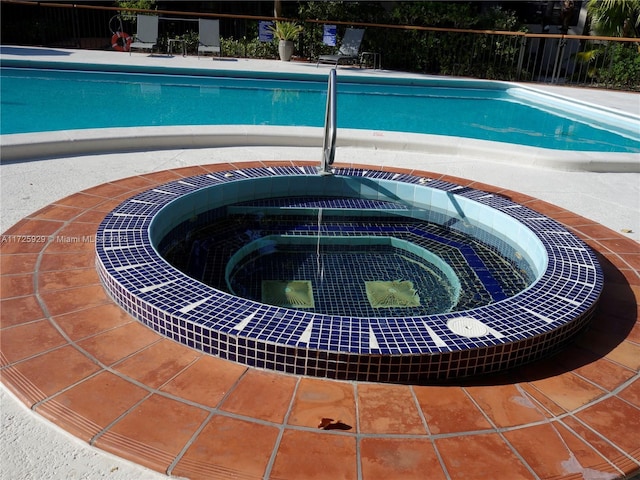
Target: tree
[
  {"x": 615, "y": 18},
  {"x": 129, "y": 15}
]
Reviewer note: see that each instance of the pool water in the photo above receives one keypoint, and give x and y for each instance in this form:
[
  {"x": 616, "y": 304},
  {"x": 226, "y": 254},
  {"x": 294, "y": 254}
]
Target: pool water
[
  {"x": 449, "y": 270},
  {"x": 338, "y": 276},
  {"x": 36, "y": 100}
]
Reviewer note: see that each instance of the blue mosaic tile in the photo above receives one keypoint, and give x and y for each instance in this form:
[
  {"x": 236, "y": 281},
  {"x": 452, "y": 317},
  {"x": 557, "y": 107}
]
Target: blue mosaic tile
[{"x": 516, "y": 329}]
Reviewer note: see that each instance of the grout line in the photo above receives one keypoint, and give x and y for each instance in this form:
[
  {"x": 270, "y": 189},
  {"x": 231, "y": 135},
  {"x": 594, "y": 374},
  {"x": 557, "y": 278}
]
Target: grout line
[
  {"x": 551, "y": 423},
  {"x": 359, "y": 436},
  {"x": 419, "y": 408},
  {"x": 429, "y": 434},
  {"x": 605, "y": 439},
  {"x": 282, "y": 427},
  {"x": 97, "y": 436},
  {"x": 588, "y": 444},
  {"x": 500, "y": 433},
  {"x": 66, "y": 389},
  {"x": 606, "y": 395},
  {"x": 232, "y": 388},
  {"x": 560, "y": 419},
  {"x": 188, "y": 443}
]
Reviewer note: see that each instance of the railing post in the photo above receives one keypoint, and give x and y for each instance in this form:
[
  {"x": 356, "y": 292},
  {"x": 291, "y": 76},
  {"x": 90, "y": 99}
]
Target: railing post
[
  {"x": 76, "y": 25},
  {"x": 329, "y": 142},
  {"x": 558, "y": 60},
  {"x": 523, "y": 47}
]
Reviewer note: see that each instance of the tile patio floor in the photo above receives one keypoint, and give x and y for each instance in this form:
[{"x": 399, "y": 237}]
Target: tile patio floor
[{"x": 74, "y": 357}]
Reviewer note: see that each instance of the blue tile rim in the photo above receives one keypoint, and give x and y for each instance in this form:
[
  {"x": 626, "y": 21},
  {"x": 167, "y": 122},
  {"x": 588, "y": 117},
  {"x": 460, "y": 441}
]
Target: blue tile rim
[{"x": 505, "y": 333}]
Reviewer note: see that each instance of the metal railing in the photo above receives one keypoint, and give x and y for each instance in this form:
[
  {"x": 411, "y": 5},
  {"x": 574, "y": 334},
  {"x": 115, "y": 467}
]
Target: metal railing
[
  {"x": 330, "y": 126},
  {"x": 604, "y": 62}
]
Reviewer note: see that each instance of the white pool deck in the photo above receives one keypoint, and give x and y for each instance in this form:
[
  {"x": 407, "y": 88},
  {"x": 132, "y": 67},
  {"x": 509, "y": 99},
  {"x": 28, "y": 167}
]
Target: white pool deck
[{"x": 34, "y": 448}]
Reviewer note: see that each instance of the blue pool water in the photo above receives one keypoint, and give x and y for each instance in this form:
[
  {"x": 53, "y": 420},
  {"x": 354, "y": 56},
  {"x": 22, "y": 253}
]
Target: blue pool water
[
  {"x": 36, "y": 100},
  {"x": 338, "y": 254}
]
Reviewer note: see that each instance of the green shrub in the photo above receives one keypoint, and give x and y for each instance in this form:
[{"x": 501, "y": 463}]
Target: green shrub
[{"x": 620, "y": 66}]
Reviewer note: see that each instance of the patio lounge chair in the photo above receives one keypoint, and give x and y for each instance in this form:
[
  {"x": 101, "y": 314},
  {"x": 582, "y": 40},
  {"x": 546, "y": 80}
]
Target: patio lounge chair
[
  {"x": 147, "y": 35},
  {"x": 349, "y": 49},
  {"x": 209, "y": 36}
]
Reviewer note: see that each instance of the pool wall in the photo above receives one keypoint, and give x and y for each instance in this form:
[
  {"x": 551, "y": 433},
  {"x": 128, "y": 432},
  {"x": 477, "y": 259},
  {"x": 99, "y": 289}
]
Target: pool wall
[
  {"x": 504, "y": 334},
  {"x": 625, "y": 123},
  {"x": 33, "y": 146},
  {"x": 432, "y": 205}
]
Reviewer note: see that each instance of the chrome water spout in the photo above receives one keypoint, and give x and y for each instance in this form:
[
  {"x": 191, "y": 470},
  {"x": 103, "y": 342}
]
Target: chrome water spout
[{"x": 329, "y": 142}]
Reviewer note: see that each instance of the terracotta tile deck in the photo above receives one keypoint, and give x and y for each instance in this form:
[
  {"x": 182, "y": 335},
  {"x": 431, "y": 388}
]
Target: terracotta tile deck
[{"x": 69, "y": 353}]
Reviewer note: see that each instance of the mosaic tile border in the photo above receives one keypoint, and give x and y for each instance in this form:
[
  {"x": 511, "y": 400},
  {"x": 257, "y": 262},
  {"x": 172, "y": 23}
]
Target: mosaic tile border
[{"x": 522, "y": 328}]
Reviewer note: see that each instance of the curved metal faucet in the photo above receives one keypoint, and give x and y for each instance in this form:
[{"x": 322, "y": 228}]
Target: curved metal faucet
[{"x": 329, "y": 143}]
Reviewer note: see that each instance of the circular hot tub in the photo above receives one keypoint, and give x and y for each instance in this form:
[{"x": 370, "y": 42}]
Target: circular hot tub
[{"x": 360, "y": 275}]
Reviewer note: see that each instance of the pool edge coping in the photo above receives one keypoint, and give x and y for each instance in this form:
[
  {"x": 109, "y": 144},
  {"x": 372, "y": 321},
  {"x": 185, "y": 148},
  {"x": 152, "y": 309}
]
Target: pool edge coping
[{"x": 32, "y": 146}]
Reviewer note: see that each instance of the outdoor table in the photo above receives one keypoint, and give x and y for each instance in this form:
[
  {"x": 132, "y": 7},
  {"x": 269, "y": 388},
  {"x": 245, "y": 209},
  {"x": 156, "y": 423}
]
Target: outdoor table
[
  {"x": 377, "y": 59},
  {"x": 178, "y": 42}
]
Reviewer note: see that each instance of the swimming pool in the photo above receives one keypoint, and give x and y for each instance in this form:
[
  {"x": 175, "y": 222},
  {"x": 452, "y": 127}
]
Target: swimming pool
[{"x": 494, "y": 111}]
